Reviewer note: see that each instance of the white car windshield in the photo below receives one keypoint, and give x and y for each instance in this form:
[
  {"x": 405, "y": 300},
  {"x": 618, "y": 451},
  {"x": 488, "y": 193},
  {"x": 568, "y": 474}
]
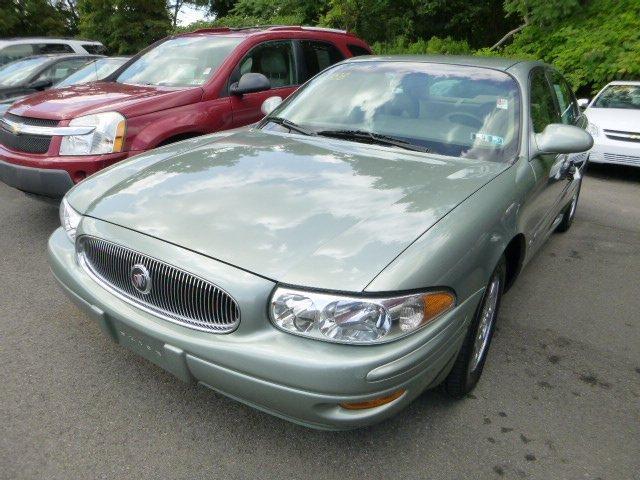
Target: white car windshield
[
  {"x": 180, "y": 62},
  {"x": 16, "y": 73},
  {"x": 450, "y": 110},
  {"x": 619, "y": 96},
  {"x": 96, "y": 70}
]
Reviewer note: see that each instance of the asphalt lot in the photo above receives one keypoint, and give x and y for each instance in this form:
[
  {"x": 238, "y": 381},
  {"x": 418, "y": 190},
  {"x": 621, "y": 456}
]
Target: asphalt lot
[{"x": 559, "y": 399}]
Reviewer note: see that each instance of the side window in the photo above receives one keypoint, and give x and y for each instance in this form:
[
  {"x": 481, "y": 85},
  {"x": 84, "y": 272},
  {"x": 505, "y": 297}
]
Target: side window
[
  {"x": 15, "y": 52},
  {"x": 274, "y": 60},
  {"x": 543, "y": 107},
  {"x": 357, "y": 50},
  {"x": 62, "y": 69},
  {"x": 45, "y": 48},
  {"x": 94, "y": 48},
  {"x": 569, "y": 111},
  {"x": 318, "y": 56}
]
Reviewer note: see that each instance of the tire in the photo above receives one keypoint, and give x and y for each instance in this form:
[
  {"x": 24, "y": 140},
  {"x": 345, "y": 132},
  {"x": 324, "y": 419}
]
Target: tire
[
  {"x": 467, "y": 368},
  {"x": 569, "y": 212}
]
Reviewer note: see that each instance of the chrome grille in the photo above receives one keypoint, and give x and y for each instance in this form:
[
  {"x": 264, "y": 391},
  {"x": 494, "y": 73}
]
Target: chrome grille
[
  {"x": 27, "y": 143},
  {"x": 622, "y": 135},
  {"x": 175, "y": 295},
  {"x": 622, "y": 159}
]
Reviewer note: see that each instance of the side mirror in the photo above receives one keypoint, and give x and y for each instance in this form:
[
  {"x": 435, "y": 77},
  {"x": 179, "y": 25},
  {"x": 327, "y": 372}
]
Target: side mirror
[
  {"x": 270, "y": 104},
  {"x": 560, "y": 138},
  {"x": 250, "y": 83},
  {"x": 41, "y": 84},
  {"x": 583, "y": 103}
]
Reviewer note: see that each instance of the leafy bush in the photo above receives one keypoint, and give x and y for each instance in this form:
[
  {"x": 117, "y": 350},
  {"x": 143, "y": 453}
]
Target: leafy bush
[{"x": 434, "y": 45}]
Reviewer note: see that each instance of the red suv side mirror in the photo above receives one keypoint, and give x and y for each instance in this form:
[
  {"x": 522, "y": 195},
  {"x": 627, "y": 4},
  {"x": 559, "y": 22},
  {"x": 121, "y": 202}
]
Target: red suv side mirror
[{"x": 250, "y": 83}]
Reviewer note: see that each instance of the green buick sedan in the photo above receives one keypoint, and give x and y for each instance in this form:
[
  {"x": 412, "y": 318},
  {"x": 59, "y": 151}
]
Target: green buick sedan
[{"x": 332, "y": 262}]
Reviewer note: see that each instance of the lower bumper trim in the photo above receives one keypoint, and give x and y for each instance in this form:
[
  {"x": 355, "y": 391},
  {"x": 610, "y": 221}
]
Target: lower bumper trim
[{"x": 39, "y": 181}]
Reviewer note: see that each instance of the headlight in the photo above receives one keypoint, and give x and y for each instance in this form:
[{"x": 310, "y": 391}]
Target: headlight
[
  {"x": 107, "y": 136},
  {"x": 593, "y": 129},
  {"x": 69, "y": 219},
  {"x": 357, "y": 320}
]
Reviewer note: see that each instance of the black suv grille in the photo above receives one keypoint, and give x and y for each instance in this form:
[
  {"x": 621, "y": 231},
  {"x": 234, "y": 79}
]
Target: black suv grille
[{"x": 26, "y": 142}]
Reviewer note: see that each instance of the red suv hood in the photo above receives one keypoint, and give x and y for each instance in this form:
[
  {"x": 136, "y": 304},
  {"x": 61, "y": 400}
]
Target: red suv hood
[{"x": 130, "y": 100}]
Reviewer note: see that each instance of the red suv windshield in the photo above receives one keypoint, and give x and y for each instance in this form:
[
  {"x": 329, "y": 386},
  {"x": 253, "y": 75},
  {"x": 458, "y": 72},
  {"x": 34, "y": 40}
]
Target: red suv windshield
[{"x": 180, "y": 62}]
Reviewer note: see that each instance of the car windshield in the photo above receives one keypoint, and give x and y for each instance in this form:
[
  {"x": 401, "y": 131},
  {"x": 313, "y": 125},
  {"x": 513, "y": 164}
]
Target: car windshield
[
  {"x": 96, "y": 70},
  {"x": 619, "y": 96},
  {"x": 180, "y": 62},
  {"x": 15, "y": 73},
  {"x": 445, "y": 109}
]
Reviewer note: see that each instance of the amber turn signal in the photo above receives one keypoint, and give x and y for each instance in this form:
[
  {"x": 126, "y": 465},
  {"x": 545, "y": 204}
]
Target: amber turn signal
[
  {"x": 376, "y": 402},
  {"x": 436, "y": 304},
  {"x": 118, "y": 142}
]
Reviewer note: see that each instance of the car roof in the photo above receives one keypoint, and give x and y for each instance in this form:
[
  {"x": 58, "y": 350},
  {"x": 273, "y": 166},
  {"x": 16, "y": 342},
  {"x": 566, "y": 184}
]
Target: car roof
[
  {"x": 624, "y": 82},
  {"x": 60, "y": 56},
  {"x": 262, "y": 29},
  {"x": 46, "y": 40},
  {"x": 497, "y": 63}
]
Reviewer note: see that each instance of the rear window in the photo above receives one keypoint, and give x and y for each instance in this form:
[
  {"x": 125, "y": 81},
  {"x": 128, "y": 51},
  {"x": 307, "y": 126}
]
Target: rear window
[
  {"x": 47, "y": 48},
  {"x": 318, "y": 56},
  {"x": 94, "y": 49},
  {"x": 357, "y": 50}
]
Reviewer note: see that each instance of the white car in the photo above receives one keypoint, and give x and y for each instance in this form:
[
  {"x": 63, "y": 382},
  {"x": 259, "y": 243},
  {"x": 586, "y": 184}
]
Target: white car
[
  {"x": 614, "y": 124},
  {"x": 16, "y": 48}
]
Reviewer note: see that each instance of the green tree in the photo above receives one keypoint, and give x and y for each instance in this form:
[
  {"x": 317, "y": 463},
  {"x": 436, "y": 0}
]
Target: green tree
[
  {"x": 34, "y": 18},
  {"x": 592, "y": 42},
  {"x": 124, "y": 26}
]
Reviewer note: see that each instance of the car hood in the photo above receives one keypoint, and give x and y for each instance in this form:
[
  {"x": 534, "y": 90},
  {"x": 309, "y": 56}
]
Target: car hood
[
  {"x": 615, "y": 118},
  {"x": 89, "y": 98},
  {"x": 300, "y": 210}
]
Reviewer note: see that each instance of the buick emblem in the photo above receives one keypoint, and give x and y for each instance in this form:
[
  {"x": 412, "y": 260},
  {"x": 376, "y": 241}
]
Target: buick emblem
[{"x": 140, "y": 278}]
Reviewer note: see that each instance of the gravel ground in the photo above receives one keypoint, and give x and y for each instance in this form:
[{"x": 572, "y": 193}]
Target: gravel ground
[{"x": 559, "y": 399}]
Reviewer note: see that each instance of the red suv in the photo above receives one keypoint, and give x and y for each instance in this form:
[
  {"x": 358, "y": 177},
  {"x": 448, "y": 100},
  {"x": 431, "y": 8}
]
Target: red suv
[{"x": 179, "y": 87}]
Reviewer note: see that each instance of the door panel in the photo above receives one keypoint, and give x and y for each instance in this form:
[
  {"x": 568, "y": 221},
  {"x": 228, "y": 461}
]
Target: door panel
[
  {"x": 276, "y": 61},
  {"x": 549, "y": 169}
]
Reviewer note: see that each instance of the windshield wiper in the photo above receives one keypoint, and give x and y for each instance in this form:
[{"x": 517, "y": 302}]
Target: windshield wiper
[
  {"x": 291, "y": 125},
  {"x": 378, "y": 138}
]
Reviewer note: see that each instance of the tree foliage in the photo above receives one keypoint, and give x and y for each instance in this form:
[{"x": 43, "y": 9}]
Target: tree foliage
[
  {"x": 591, "y": 42},
  {"x": 36, "y": 18},
  {"x": 124, "y": 26}
]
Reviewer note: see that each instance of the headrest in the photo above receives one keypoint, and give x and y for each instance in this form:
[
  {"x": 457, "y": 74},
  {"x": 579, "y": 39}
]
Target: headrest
[{"x": 273, "y": 61}]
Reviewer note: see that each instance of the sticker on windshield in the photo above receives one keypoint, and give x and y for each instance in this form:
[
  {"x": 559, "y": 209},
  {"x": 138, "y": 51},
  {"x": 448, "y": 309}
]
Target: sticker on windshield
[
  {"x": 502, "y": 104},
  {"x": 487, "y": 139},
  {"x": 207, "y": 71}
]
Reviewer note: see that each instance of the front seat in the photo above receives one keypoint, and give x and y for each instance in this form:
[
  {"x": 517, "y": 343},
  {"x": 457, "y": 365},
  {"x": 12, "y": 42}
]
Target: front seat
[{"x": 273, "y": 65}]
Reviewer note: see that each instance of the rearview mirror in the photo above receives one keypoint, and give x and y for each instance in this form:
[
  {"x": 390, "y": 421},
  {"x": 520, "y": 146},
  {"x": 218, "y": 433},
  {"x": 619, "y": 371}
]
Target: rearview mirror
[
  {"x": 270, "y": 104},
  {"x": 560, "y": 138},
  {"x": 250, "y": 83},
  {"x": 583, "y": 103},
  {"x": 41, "y": 84}
]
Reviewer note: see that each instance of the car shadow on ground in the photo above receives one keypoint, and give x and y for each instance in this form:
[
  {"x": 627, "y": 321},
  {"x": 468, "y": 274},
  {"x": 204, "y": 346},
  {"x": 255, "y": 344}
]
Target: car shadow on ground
[{"x": 605, "y": 171}]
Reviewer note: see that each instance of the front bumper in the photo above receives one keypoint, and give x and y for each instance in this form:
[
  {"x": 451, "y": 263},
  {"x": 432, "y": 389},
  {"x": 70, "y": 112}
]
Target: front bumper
[
  {"x": 606, "y": 150},
  {"x": 297, "y": 379},
  {"x": 50, "y": 176},
  {"x": 41, "y": 181}
]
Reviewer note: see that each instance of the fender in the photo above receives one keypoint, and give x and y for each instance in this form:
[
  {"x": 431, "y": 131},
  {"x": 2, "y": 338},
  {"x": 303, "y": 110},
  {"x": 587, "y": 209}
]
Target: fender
[
  {"x": 149, "y": 131},
  {"x": 484, "y": 225}
]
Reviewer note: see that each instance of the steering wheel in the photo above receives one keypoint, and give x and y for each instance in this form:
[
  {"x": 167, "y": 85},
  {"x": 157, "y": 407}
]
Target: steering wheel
[{"x": 466, "y": 119}]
